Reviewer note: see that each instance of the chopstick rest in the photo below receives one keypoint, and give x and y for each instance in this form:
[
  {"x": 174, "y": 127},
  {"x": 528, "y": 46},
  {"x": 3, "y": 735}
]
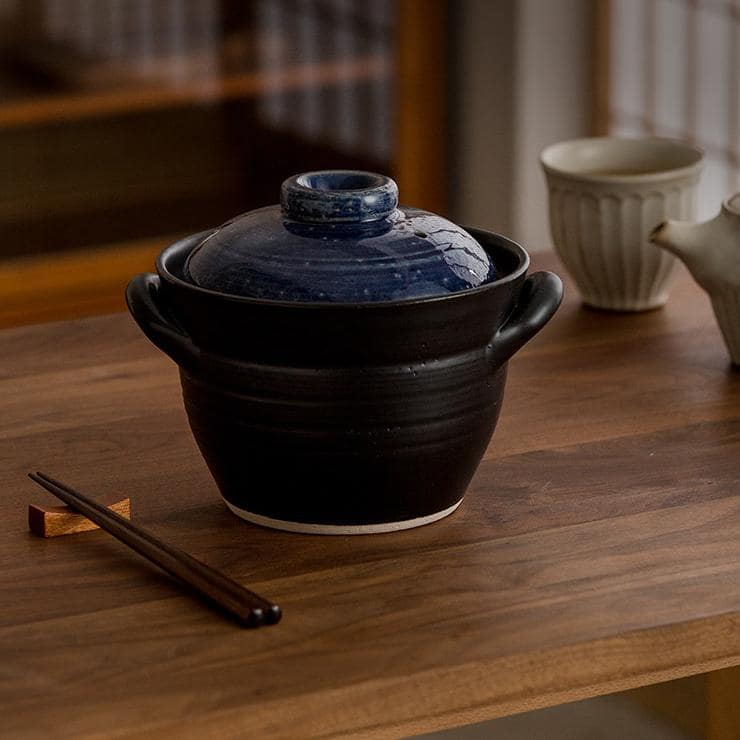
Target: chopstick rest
[
  {"x": 247, "y": 607},
  {"x": 56, "y": 521}
]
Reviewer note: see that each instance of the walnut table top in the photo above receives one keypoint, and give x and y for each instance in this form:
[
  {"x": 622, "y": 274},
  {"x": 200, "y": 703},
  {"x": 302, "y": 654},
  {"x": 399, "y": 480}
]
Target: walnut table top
[{"x": 597, "y": 549}]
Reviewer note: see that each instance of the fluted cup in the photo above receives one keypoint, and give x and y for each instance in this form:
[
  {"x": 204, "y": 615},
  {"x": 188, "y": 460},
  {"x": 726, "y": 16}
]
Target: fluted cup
[{"x": 606, "y": 194}]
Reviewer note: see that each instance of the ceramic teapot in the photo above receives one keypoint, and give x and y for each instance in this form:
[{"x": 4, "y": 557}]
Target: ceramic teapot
[
  {"x": 342, "y": 358},
  {"x": 711, "y": 252}
]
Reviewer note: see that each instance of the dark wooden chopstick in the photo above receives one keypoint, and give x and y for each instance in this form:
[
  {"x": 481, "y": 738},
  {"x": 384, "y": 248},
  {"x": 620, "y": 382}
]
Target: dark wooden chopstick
[{"x": 248, "y": 608}]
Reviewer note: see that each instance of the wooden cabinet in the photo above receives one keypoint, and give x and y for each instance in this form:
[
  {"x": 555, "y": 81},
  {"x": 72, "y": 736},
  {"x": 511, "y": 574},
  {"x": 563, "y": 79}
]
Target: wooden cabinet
[{"x": 124, "y": 125}]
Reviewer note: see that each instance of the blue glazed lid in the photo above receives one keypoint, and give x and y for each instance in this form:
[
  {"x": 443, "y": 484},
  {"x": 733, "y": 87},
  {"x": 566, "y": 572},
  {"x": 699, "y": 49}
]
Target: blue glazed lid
[{"x": 339, "y": 236}]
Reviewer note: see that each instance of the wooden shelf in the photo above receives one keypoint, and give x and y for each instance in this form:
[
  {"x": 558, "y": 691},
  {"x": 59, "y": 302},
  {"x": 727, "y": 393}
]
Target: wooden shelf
[
  {"x": 82, "y": 202},
  {"x": 74, "y": 284},
  {"x": 184, "y": 159},
  {"x": 66, "y": 107}
]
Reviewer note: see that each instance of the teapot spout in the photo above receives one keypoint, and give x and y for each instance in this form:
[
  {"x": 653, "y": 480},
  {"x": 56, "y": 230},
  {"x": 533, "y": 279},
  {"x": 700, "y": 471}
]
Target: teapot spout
[
  {"x": 701, "y": 247},
  {"x": 678, "y": 237}
]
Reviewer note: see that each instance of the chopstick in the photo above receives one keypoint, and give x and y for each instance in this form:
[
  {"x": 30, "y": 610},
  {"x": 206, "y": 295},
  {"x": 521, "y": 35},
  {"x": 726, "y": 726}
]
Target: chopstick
[{"x": 249, "y": 609}]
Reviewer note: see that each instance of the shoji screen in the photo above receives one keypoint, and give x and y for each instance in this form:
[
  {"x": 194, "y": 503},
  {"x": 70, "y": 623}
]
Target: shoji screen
[{"x": 675, "y": 71}]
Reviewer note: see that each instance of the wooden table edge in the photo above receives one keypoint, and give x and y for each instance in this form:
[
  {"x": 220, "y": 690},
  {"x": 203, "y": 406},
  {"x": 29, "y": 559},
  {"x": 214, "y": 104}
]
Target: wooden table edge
[{"x": 466, "y": 694}]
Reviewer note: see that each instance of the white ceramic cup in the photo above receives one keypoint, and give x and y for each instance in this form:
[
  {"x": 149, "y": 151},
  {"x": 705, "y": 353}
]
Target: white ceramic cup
[{"x": 606, "y": 195}]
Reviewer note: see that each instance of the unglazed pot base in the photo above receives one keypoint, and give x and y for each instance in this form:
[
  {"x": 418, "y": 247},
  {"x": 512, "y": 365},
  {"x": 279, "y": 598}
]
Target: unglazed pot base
[{"x": 309, "y": 528}]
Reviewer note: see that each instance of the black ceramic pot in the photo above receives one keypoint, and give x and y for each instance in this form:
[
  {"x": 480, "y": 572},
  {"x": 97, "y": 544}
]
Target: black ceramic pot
[{"x": 344, "y": 417}]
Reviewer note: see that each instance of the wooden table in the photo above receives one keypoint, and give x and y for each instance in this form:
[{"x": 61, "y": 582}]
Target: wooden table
[{"x": 598, "y": 548}]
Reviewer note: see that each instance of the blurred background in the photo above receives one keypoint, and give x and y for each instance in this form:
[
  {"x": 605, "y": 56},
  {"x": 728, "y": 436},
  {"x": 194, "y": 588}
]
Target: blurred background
[{"x": 127, "y": 123}]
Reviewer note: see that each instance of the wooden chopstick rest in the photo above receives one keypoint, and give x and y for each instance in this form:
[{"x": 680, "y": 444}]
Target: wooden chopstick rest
[{"x": 54, "y": 521}]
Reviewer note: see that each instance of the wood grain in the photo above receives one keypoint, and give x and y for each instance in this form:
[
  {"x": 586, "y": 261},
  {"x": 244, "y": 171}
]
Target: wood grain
[
  {"x": 56, "y": 521},
  {"x": 597, "y": 548}
]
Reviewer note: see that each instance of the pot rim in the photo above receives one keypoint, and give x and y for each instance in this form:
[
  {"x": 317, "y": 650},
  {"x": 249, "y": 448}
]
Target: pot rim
[{"x": 193, "y": 240}]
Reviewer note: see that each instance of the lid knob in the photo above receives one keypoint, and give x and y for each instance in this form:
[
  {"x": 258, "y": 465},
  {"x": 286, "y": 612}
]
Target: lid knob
[{"x": 338, "y": 196}]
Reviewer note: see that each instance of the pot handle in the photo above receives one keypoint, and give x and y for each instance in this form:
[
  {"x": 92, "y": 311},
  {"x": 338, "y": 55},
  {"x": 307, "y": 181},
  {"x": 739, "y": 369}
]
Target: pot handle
[
  {"x": 142, "y": 297},
  {"x": 538, "y": 300}
]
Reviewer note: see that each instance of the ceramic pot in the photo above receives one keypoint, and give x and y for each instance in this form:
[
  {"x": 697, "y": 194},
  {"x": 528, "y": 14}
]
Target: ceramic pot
[{"x": 343, "y": 417}]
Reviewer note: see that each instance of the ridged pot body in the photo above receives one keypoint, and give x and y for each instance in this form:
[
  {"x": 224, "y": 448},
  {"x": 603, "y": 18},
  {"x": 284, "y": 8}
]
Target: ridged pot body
[
  {"x": 345, "y": 447},
  {"x": 601, "y": 223},
  {"x": 344, "y": 418}
]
